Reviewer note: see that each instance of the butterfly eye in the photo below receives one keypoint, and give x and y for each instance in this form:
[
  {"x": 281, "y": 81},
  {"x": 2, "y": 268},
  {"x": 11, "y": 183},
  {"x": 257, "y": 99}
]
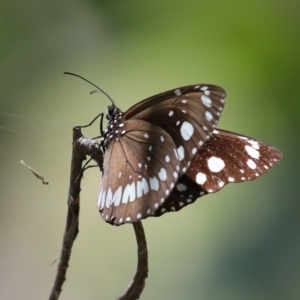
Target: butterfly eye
[{"x": 110, "y": 112}]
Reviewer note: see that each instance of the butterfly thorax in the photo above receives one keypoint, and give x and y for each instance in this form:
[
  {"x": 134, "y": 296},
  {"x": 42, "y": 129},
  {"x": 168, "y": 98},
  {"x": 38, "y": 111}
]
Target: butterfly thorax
[{"x": 115, "y": 126}]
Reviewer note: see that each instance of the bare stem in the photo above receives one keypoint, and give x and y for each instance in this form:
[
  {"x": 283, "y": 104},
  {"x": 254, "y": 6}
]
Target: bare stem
[
  {"x": 137, "y": 285},
  {"x": 83, "y": 146}
]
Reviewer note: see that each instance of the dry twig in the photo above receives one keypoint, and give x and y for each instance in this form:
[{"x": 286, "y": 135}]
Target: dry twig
[{"x": 83, "y": 146}]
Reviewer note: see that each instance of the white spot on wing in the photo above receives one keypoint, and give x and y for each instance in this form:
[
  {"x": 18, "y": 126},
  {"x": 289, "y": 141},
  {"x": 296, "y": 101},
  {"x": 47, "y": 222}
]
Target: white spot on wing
[
  {"x": 180, "y": 152},
  {"x": 221, "y": 184},
  {"x": 201, "y": 178},
  {"x": 109, "y": 198},
  {"x": 129, "y": 193},
  {"x": 142, "y": 187},
  {"x": 103, "y": 199},
  {"x": 254, "y": 144},
  {"x": 181, "y": 187},
  {"x": 177, "y": 92},
  {"x": 117, "y": 196},
  {"x": 186, "y": 130},
  {"x": 208, "y": 116},
  {"x": 99, "y": 199},
  {"x": 215, "y": 164},
  {"x": 154, "y": 183},
  {"x": 251, "y": 164},
  {"x": 162, "y": 174},
  {"x": 206, "y": 101},
  {"x": 252, "y": 152}
]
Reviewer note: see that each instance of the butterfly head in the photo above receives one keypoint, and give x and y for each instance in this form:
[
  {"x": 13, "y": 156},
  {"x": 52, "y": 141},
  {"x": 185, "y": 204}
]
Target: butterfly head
[{"x": 112, "y": 112}]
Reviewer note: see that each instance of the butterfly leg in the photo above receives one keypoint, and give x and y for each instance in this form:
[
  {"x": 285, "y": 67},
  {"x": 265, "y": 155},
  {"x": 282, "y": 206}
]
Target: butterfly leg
[{"x": 91, "y": 123}]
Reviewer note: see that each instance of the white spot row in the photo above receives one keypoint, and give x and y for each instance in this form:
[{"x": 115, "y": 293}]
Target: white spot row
[{"x": 131, "y": 192}]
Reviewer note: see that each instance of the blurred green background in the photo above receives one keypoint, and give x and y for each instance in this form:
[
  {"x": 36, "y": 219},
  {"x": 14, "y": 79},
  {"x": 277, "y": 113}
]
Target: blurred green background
[{"x": 241, "y": 243}]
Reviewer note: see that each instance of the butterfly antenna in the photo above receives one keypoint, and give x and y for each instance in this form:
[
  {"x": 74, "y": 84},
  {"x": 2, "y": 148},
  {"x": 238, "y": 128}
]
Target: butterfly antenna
[{"x": 98, "y": 89}]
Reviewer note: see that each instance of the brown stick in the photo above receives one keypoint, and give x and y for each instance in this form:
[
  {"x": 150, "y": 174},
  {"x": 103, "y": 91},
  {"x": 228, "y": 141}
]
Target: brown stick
[
  {"x": 81, "y": 147},
  {"x": 137, "y": 285}
]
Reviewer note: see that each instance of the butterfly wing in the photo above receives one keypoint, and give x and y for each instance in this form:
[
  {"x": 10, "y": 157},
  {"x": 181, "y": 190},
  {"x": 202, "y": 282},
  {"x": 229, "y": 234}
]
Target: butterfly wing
[
  {"x": 206, "y": 93},
  {"x": 168, "y": 154},
  {"x": 139, "y": 173},
  {"x": 226, "y": 158},
  {"x": 174, "y": 124},
  {"x": 188, "y": 114},
  {"x": 229, "y": 157}
]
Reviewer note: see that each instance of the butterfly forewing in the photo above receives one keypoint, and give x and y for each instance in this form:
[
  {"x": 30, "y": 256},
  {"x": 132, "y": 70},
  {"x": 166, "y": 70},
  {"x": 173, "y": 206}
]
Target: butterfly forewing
[
  {"x": 188, "y": 114},
  {"x": 151, "y": 146},
  {"x": 207, "y": 90}
]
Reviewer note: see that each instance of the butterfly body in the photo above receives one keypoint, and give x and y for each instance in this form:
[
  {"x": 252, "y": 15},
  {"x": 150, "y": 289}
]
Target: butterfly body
[{"x": 164, "y": 152}]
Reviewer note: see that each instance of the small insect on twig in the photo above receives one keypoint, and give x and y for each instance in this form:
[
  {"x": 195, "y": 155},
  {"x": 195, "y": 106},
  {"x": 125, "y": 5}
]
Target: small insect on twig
[{"x": 35, "y": 173}]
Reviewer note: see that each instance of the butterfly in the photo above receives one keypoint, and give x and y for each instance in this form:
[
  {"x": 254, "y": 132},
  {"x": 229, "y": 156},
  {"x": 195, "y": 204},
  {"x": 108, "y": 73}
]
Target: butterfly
[{"x": 165, "y": 152}]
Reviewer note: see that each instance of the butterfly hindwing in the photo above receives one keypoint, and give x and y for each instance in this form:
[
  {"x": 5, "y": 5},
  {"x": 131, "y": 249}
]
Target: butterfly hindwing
[
  {"x": 144, "y": 172},
  {"x": 226, "y": 158},
  {"x": 229, "y": 157}
]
